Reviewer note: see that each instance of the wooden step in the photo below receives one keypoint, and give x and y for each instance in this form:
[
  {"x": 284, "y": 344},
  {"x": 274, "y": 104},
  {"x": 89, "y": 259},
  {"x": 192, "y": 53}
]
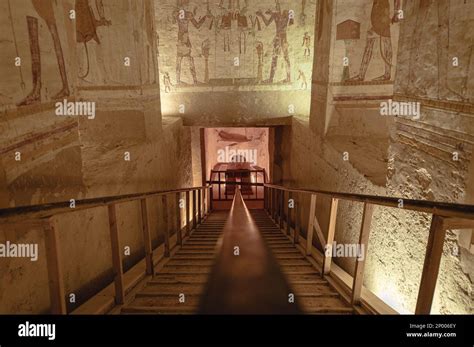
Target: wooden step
[
  {"x": 159, "y": 310},
  {"x": 200, "y": 262},
  {"x": 290, "y": 250},
  {"x": 200, "y": 243},
  {"x": 179, "y": 278},
  {"x": 323, "y": 304},
  {"x": 197, "y": 247},
  {"x": 282, "y": 256},
  {"x": 186, "y": 269},
  {"x": 193, "y": 256},
  {"x": 165, "y": 300},
  {"x": 195, "y": 252},
  {"x": 305, "y": 269},
  {"x": 284, "y": 242},
  {"x": 205, "y": 236},
  {"x": 313, "y": 289},
  {"x": 295, "y": 262},
  {"x": 282, "y": 246},
  {"x": 155, "y": 289}
]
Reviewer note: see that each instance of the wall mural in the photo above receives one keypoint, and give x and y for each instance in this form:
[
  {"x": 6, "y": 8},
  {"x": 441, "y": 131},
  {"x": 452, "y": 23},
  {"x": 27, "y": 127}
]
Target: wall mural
[
  {"x": 235, "y": 43},
  {"x": 368, "y": 30},
  {"x": 44, "y": 10},
  {"x": 380, "y": 20},
  {"x": 440, "y": 51},
  {"x": 50, "y": 53}
]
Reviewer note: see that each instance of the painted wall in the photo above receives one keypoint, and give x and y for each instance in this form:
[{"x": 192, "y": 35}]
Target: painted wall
[
  {"x": 47, "y": 158},
  {"x": 248, "y": 70},
  {"x": 414, "y": 158}
]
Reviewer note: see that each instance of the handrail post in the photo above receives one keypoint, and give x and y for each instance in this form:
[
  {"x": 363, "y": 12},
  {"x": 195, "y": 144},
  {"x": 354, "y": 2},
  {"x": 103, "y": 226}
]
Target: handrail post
[
  {"x": 264, "y": 197},
  {"x": 360, "y": 262},
  {"x": 330, "y": 238},
  {"x": 204, "y": 202},
  {"x": 116, "y": 256},
  {"x": 309, "y": 236},
  {"x": 55, "y": 273},
  {"x": 275, "y": 205},
  {"x": 164, "y": 200},
  {"x": 199, "y": 206},
  {"x": 296, "y": 235},
  {"x": 146, "y": 238},
  {"x": 270, "y": 201},
  {"x": 211, "y": 198},
  {"x": 219, "y": 184},
  {"x": 288, "y": 214},
  {"x": 429, "y": 276},
  {"x": 282, "y": 209},
  {"x": 278, "y": 206},
  {"x": 194, "y": 209},
  {"x": 188, "y": 212},
  {"x": 179, "y": 235}
]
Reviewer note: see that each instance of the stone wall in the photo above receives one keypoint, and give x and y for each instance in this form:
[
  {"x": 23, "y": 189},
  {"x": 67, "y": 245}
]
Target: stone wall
[
  {"x": 412, "y": 158},
  {"x": 125, "y": 148}
]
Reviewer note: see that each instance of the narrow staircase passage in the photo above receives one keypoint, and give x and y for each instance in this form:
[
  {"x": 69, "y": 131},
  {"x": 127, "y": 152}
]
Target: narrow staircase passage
[{"x": 179, "y": 286}]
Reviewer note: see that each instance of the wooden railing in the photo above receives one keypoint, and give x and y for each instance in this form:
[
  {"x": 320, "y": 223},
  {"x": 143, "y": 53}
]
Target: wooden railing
[
  {"x": 41, "y": 217},
  {"x": 444, "y": 216},
  {"x": 223, "y": 187},
  {"x": 252, "y": 274}
]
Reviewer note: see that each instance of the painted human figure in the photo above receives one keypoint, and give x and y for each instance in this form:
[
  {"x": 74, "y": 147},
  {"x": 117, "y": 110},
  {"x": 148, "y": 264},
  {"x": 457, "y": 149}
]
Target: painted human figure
[
  {"x": 282, "y": 19},
  {"x": 259, "y": 49},
  {"x": 225, "y": 23},
  {"x": 307, "y": 45},
  {"x": 167, "y": 82},
  {"x": 206, "y": 50},
  {"x": 151, "y": 39},
  {"x": 240, "y": 15},
  {"x": 184, "y": 46},
  {"x": 45, "y": 10},
  {"x": 380, "y": 28},
  {"x": 86, "y": 26},
  {"x": 303, "y": 14},
  {"x": 302, "y": 77}
]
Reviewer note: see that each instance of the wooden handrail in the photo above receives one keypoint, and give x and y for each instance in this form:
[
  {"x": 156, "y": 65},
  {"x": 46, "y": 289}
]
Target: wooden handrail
[
  {"x": 43, "y": 217},
  {"x": 445, "y": 209},
  {"x": 444, "y": 216},
  {"x": 87, "y": 203},
  {"x": 245, "y": 278}
]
